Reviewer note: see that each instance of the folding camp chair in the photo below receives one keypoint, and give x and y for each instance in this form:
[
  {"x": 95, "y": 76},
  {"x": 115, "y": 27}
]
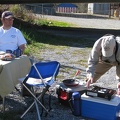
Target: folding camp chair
[{"x": 42, "y": 75}]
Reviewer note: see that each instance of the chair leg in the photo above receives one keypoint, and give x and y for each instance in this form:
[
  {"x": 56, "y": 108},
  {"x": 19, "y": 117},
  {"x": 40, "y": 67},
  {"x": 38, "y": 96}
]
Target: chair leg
[
  {"x": 50, "y": 102},
  {"x": 27, "y": 110},
  {"x": 43, "y": 104},
  {"x": 38, "y": 112},
  {"x": 3, "y": 104},
  {"x": 35, "y": 100}
]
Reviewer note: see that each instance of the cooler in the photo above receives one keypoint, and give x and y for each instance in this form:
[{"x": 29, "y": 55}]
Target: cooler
[{"x": 100, "y": 108}]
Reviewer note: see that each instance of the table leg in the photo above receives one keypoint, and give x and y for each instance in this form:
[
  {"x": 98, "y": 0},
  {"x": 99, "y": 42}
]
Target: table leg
[{"x": 3, "y": 104}]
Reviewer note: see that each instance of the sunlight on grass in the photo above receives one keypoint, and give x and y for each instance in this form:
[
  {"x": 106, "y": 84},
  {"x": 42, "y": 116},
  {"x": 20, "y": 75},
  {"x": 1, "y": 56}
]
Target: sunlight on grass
[
  {"x": 45, "y": 22},
  {"x": 34, "y": 48}
]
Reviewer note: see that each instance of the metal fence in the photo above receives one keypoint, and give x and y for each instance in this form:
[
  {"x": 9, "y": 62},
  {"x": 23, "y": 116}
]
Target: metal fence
[{"x": 98, "y": 11}]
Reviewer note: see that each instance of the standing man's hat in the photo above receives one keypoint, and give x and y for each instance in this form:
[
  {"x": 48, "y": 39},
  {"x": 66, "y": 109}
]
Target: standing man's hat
[{"x": 108, "y": 45}]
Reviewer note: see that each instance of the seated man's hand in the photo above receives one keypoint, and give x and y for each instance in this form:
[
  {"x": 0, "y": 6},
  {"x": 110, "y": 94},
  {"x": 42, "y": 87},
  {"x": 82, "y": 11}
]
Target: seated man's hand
[{"x": 7, "y": 56}]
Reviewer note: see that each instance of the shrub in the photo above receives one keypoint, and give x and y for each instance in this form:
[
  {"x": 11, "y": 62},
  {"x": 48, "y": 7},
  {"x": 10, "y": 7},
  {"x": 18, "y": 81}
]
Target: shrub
[{"x": 20, "y": 12}]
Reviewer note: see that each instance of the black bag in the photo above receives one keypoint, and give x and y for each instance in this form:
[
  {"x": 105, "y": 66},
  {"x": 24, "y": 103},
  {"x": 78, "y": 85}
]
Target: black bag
[
  {"x": 24, "y": 91},
  {"x": 64, "y": 96}
]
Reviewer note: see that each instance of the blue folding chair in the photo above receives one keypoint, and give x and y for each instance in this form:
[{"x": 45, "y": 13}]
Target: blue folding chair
[{"x": 42, "y": 75}]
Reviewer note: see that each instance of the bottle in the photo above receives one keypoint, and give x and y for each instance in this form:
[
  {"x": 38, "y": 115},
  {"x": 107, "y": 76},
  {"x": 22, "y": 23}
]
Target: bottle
[{"x": 76, "y": 103}]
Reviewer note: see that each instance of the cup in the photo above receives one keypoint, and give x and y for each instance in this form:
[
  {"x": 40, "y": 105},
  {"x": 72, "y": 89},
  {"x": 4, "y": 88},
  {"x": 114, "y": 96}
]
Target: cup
[{"x": 17, "y": 52}]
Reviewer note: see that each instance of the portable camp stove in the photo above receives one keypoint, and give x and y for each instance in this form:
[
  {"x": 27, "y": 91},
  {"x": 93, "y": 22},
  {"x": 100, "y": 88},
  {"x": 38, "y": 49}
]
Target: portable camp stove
[{"x": 96, "y": 91}]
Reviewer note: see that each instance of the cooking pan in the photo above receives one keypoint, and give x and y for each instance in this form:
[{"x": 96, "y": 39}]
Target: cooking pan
[{"x": 70, "y": 82}]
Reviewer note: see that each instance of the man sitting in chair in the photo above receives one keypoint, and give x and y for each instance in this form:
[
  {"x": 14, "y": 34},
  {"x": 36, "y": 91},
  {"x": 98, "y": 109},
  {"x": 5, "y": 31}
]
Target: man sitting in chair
[{"x": 11, "y": 38}]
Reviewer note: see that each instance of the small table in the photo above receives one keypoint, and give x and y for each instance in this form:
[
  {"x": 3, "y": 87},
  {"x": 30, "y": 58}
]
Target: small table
[
  {"x": 10, "y": 71},
  {"x": 79, "y": 87}
]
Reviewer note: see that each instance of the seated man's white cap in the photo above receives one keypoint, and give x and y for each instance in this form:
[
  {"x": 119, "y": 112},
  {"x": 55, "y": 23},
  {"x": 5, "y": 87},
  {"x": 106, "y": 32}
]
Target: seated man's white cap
[{"x": 7, "y": 14}]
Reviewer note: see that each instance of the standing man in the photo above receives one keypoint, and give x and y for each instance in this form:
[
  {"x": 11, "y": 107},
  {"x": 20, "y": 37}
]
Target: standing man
[
  {"x": 104, "y": 55},
  {"x": 11, "y": 38}
]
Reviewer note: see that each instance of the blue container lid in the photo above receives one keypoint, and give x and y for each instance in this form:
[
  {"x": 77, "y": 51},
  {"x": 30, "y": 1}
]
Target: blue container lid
[{"x": 75, "y": 95}]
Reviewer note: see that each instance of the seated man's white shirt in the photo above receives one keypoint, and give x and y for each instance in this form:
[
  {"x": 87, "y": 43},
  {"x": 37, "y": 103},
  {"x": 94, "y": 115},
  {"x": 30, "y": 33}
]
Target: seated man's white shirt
[{"x": 11, "y": 39}]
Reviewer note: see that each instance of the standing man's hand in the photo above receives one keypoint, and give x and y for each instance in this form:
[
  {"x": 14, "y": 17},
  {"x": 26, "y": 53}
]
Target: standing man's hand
[
  {"x": 89, "y": 81},
  {"x": 118, "y": 88}
]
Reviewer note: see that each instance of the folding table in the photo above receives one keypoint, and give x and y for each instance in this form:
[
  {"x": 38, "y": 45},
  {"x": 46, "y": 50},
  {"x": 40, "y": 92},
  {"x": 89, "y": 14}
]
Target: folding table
[{"x": 10, "y": 71}]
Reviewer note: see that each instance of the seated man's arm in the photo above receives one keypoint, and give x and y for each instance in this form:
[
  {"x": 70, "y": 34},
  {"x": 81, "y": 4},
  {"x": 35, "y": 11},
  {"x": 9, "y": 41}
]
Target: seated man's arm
[{"x": 22, "y": 47}]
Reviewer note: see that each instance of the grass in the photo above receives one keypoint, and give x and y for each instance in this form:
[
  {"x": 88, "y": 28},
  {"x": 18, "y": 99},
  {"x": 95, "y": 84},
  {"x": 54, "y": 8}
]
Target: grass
[
  {"x": 38, "y": 41},
  {"x": 47, "y": 22}
]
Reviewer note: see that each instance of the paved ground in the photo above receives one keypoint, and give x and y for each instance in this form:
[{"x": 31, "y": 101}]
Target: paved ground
[{"x": 89, "y": 22}]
